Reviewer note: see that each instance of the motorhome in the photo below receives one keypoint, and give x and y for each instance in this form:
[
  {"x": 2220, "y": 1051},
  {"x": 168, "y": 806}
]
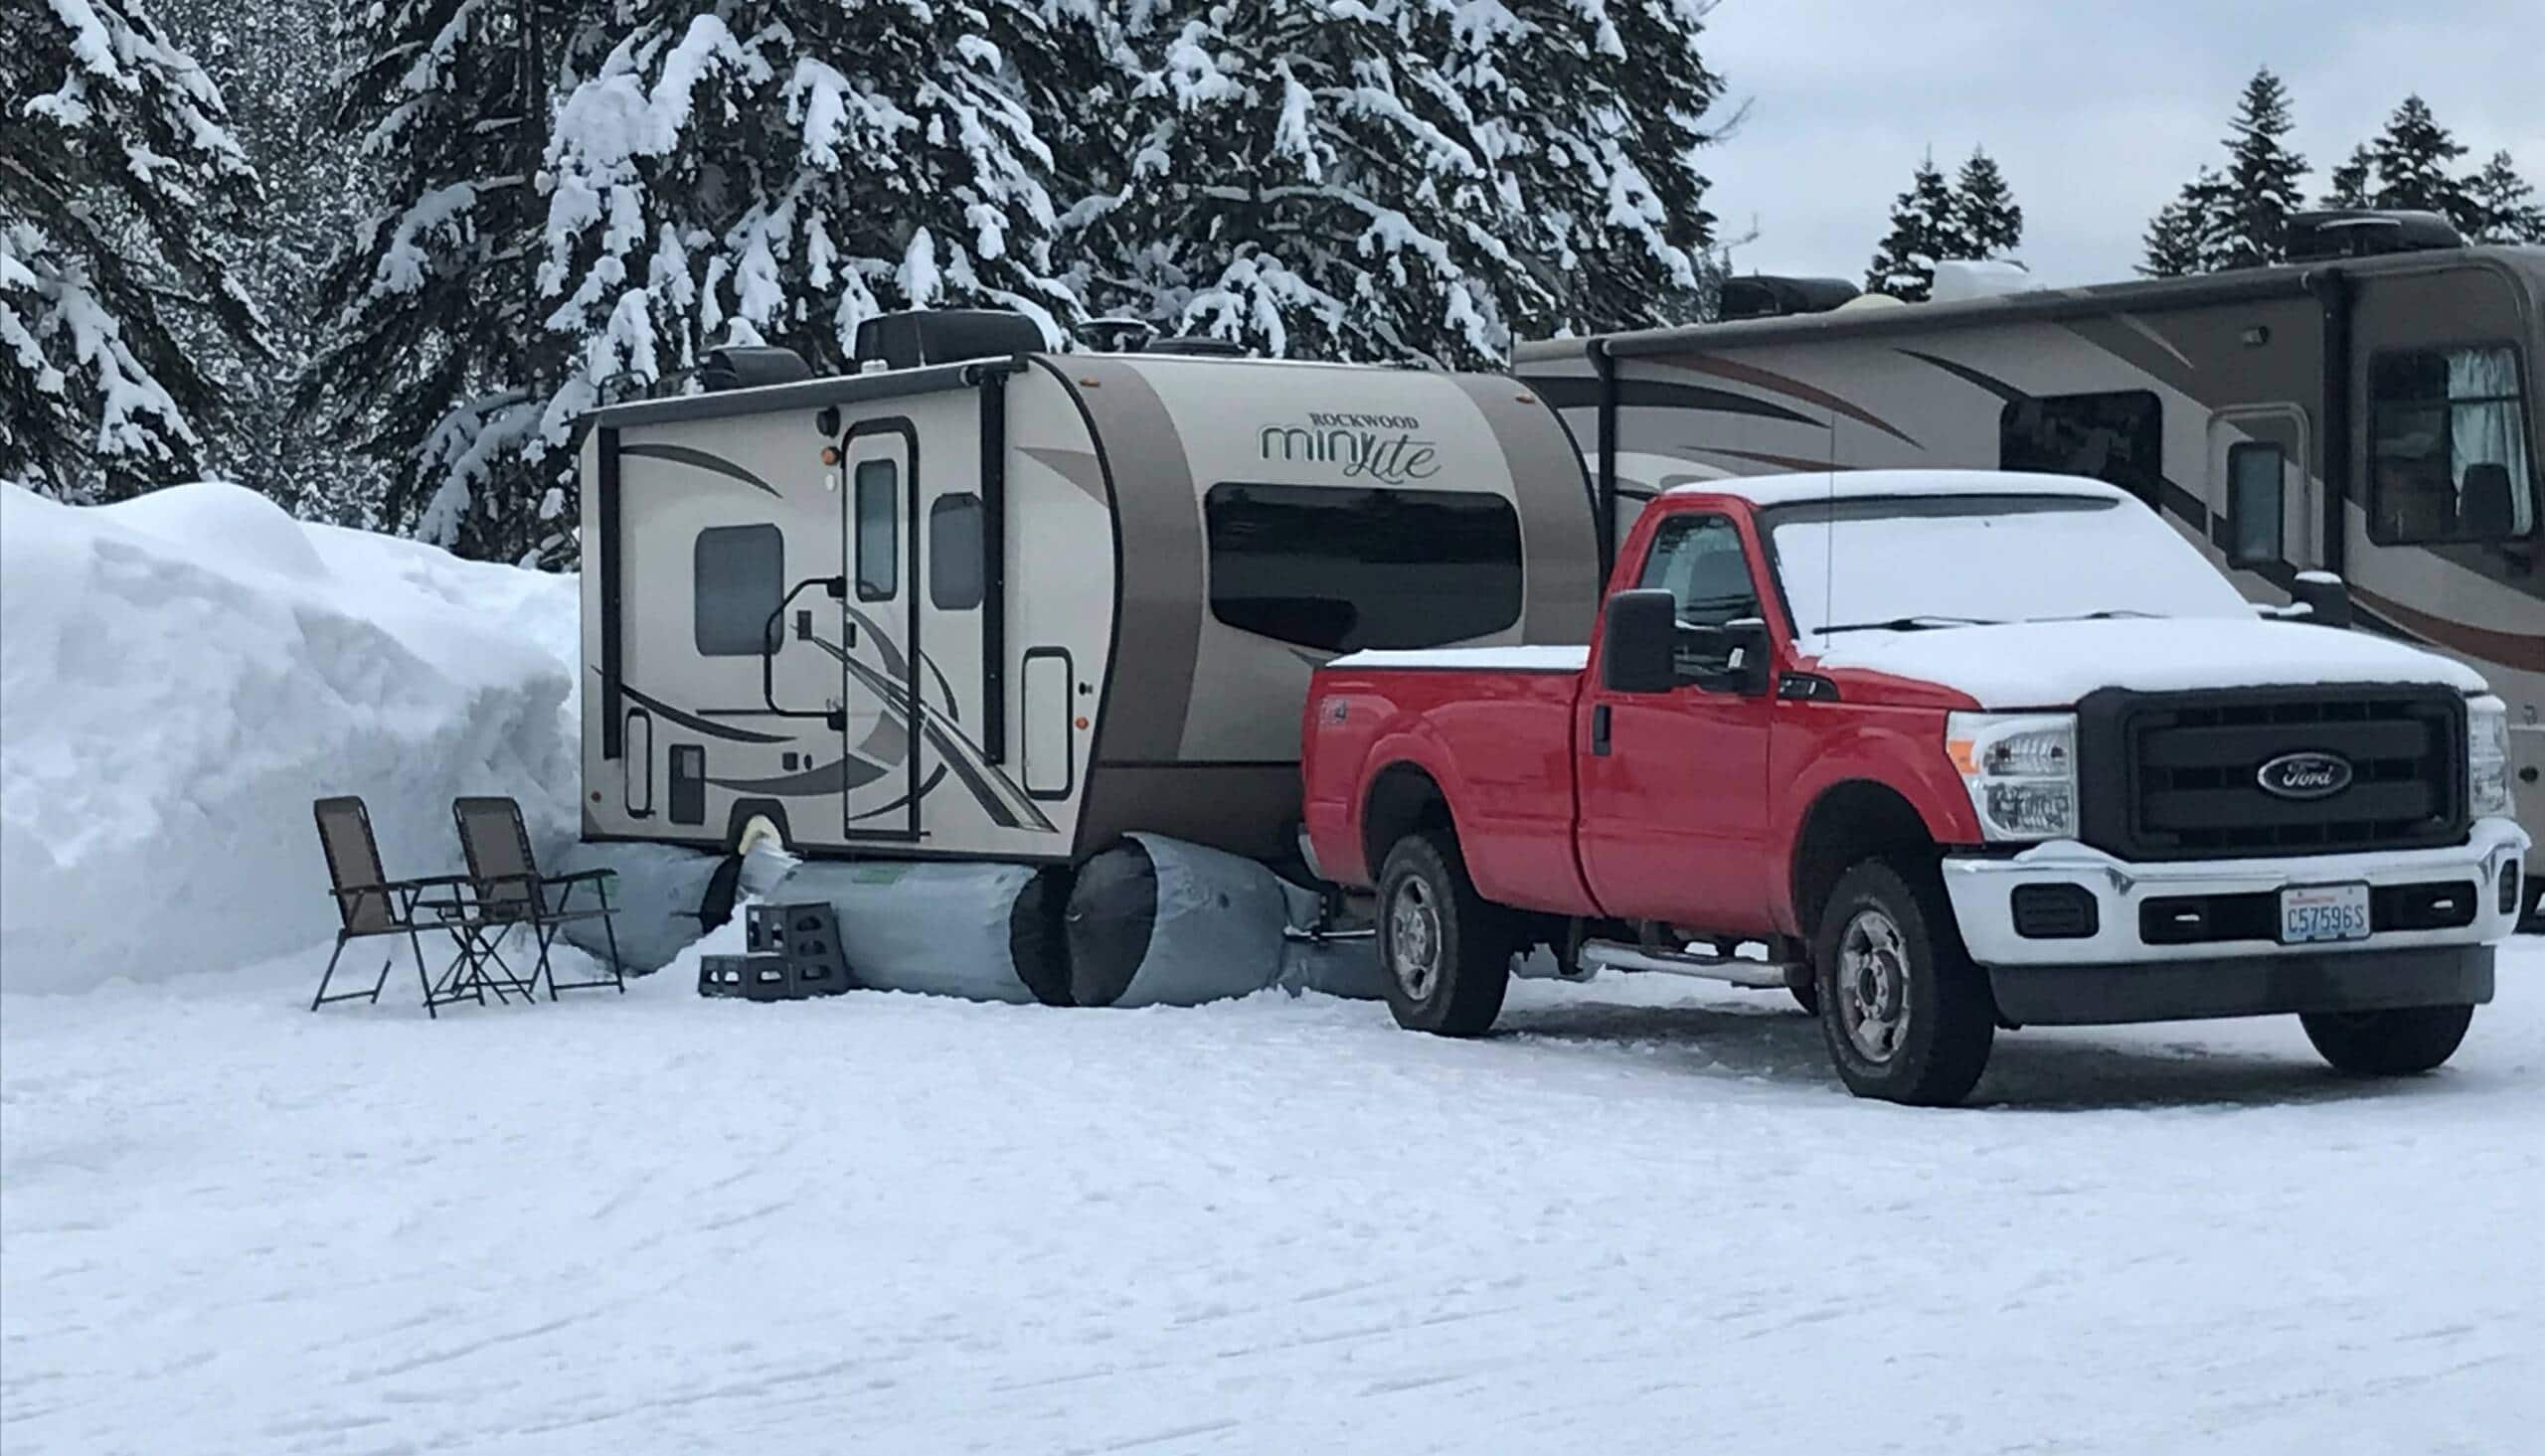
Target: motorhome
[
  {"x": 2371, "y": 412},
  {"x": 983, "y": 601}
]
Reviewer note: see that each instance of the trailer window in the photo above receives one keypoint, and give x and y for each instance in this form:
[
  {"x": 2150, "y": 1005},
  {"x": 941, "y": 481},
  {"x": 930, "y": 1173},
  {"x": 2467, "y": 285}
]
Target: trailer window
[
  {"x": 955, "y": 580},
  {"x": 738, "y": 577},
  {"x": 2447, "y": 447},
  {"x": 879, "y": 535},
  {"x": 2117, "y": 438},
  {"x": 1337, "y": 568},
  {"x": 2254, "y": 513}
]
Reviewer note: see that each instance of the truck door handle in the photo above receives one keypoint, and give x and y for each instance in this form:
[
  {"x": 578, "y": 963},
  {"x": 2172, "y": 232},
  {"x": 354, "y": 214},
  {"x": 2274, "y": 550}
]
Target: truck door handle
[{"x": 1599, "y": 729}]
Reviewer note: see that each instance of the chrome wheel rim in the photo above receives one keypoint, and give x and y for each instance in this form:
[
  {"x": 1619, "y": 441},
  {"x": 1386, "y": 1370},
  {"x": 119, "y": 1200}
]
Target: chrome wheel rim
[
  {"x": 1414, "y": 939},
  {"x": 1873, "y": 985}
]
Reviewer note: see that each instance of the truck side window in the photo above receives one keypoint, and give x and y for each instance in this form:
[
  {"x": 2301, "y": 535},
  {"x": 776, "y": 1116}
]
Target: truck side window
[
  {"x": 2447, "y": 447},
  {"x": 1699, "y": 560},
  {"x": 2253, "y": 515}
]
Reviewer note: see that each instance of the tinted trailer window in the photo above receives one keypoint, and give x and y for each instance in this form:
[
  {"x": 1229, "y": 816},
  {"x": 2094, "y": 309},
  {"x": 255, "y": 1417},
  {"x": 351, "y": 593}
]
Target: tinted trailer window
[{"x": 1340, "y": 569}]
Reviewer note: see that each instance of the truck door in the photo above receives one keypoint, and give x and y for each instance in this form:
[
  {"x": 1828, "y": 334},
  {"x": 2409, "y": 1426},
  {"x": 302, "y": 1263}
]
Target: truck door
[
  {"x": 880, "y": 666},
  {"x": 1675, "y": 800}
]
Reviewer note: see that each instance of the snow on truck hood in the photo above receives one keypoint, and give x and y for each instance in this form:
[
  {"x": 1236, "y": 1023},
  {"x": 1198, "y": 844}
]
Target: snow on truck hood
[{"x": 2054, "y": 664}]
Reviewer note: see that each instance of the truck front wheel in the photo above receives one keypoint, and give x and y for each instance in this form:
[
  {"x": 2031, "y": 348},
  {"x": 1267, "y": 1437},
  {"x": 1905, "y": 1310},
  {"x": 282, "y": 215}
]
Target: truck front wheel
[
  {"x": 1446, "y": 949},
  {"x": 2389, "y": 1042},
  {"x": 1907, "y": 1015}
]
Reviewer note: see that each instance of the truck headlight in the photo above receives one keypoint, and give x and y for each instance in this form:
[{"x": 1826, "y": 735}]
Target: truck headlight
[
  {"x": 2487, "y": 757},
  {"x": 2020, "y": 770}
]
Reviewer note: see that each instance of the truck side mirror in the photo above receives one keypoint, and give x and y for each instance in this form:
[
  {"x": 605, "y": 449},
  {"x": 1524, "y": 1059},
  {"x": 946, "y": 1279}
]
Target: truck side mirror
[
  {"x": 1639, "y": 642},
  {"x": 2325, "y": 596}
]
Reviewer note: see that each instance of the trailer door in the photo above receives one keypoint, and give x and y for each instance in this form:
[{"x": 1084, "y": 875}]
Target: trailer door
[{"x": 881, "y": 667}]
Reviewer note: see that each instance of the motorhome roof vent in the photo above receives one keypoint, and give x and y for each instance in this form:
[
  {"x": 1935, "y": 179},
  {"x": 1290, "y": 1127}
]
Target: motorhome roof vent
[
  {"x": 749, "y": 366},
  {"x": 1958, "y": 281},
  {"x": 1760, "y": 296},
  {"x": 945, "y": 336},
  {"x": 1198, "y": 346},
  {"x": 2364, "y": 232}
]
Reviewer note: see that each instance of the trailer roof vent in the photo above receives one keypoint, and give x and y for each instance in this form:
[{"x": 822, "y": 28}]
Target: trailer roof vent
[
  {"x": 749, "y": 366},
  {"x": 2364, "y": 232},
  {"x": 1760, "y": 296},
  {"x": 1198, "y": 346},
  {"x": 945, "y": 336}
]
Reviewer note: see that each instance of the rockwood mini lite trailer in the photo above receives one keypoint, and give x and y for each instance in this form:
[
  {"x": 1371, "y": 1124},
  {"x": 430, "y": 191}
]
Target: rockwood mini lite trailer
[
  {"x": 983, "y": 602},
  {"x": 2373, "y": 415}
]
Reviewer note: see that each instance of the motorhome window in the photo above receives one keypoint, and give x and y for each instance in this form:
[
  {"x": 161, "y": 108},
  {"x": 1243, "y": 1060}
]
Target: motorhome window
[
  {"x": 955, "y": 580},
  {"x": 1337, "y": 569},
  {"x": 2119, "y": 438},
  {"x": 2447, "y": 447},
  {"x": 2254, "y": 512},
  {"x": 1699, "y": 559},
  {"x": 879, "y": 537},
  {"x": 738, "y": 577}
]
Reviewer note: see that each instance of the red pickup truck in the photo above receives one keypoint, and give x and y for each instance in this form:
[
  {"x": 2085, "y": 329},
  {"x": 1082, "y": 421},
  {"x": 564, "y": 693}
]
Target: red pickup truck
[{"x": 1962, "y": 752}]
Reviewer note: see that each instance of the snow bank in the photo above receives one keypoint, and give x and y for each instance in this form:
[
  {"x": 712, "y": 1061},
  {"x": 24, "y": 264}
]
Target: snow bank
[{"x": 180, "y": 675}]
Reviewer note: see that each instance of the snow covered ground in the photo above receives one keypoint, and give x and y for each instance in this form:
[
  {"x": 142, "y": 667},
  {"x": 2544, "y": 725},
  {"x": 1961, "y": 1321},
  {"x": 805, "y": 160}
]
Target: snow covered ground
[{"x": 1642, "y": 1219}]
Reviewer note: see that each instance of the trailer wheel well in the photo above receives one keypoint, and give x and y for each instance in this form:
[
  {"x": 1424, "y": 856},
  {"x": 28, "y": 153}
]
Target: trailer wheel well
[
  {"x": 1849, "y": 822},
  {"x": 1402, "y": 800}
]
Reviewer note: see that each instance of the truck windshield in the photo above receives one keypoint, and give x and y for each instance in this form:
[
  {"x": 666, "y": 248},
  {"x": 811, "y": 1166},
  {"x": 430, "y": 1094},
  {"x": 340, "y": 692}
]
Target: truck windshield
[{"x": 1932, "y": 563}]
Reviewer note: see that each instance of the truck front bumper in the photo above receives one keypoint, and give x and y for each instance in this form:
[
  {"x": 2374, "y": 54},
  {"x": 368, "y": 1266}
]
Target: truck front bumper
[{"x": 2198, "y": 938}]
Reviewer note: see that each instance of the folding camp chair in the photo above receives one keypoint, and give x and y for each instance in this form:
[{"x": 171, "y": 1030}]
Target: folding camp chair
[
  {"x": 370, "y": 903},
  {"x": 508, "y": 891}
]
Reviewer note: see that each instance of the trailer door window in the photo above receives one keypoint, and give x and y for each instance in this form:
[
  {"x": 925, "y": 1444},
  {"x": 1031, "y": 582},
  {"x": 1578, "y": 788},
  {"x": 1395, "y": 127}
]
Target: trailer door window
[
  {"x": 2447, "y": 447},
  {"x": 1337, "y": 568},
  {"x": 879, "y": 535},
  {"x": 2117, "y": 438},
  {"x": 955, "y": 578},
  {"x": 738, "y": 577},
  {"x": 2254, "y": 514}
]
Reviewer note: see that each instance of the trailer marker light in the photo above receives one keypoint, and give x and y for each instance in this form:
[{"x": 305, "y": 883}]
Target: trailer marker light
[{"x": 1081, "y": 725}]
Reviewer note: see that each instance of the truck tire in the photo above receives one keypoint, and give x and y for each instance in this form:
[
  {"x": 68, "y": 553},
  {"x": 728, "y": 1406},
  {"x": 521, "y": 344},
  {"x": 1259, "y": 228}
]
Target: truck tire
[
  {"x": 2389, "y": 1042},
  {"x": 1907, "y": 1015},
  {"x": 1447, "y": 950}
]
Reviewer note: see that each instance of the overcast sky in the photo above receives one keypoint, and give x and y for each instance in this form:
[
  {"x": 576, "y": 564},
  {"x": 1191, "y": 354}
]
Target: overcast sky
[{"x": 2098, "y": 111}]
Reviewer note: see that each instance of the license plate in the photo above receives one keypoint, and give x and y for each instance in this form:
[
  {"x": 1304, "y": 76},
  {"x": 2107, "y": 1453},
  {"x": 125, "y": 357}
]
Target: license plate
[{"x": 2318, "y": 912}]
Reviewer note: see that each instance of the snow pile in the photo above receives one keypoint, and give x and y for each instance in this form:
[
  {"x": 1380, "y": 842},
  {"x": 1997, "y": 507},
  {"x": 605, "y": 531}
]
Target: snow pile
[{"x": 180, "y": 675}]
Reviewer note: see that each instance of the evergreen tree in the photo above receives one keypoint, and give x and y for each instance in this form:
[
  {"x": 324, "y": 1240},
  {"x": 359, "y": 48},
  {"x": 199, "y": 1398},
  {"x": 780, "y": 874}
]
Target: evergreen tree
[
  {"x": 436, "y": 363},
  {"x": 1303, "y": 180},
  {"x": 1926, "y": 229},
  {"x": 1600, "y": 113},
  {"x": 2263, "y": 178},
  {"x": 2412, "y": 161},
  {"x": 780, "y": 171},
  {"x": 272, "y": 61},
  {"x": 2504, "y": 204},
  {"x": 117, "y": 181},
  {"x": 1991, "y": 226},
  {"x": 2192, "y": 234},
  {"x": 2349, "y": 185}
]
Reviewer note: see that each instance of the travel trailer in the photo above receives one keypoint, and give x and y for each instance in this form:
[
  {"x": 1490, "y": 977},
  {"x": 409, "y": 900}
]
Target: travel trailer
[
  {"x": 984, "y": 601},
  {"x": 2372, "y": 412}
]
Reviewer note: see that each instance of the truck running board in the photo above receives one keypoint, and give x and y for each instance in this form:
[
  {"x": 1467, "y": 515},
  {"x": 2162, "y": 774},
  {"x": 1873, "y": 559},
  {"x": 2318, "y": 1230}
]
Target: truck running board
[{"x": 1611, "y": 955}]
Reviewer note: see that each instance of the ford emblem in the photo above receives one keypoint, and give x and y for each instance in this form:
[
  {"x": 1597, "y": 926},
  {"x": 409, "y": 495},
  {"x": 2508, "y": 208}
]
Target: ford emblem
[{"x": 2307, "y": 776}]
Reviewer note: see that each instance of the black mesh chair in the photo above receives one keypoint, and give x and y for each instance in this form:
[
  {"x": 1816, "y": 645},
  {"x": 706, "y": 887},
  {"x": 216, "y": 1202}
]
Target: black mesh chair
[
  {"x": 370, "y": 905},
  {"x": 508, "y": 891}
]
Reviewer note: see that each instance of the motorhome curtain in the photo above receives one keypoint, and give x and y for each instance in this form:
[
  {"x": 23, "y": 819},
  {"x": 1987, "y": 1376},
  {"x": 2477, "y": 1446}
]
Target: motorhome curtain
[{"x": 2484, "y": 425}]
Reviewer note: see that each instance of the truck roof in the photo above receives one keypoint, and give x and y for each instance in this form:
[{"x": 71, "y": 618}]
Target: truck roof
[{"x": 1853, "y": 485}]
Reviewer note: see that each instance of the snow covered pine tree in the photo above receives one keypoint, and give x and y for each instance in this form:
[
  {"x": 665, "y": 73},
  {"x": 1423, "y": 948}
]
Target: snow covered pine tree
[
  {"x": 1991, "y": 225},
  {"x": 1926, "y": 228},
  {"x": 777, "y": 171},
  {"x": 437, "y": 362},
  {"x": 2238, "y": 220},
  {"x": 117, "y": 177},
  {"x": 1394, "y": 180}
]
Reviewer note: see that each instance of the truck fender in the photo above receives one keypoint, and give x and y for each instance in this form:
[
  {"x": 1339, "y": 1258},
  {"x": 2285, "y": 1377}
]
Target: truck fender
[
  {"x": 1880, "y": 787},
  {"x": 1384, "y": 807}
]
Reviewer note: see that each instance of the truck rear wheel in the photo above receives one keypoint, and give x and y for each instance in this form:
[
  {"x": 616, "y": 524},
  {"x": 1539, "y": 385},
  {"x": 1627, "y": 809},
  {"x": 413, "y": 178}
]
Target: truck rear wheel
[
  {"x": 1907, "y": 1015},
  {"x": 1446, "y": 949},
  {"x": 2389, "y": 1042}
]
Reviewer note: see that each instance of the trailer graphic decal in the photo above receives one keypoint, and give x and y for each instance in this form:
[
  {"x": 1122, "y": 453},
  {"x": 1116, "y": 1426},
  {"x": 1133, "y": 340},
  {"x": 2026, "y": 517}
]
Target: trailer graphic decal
[{"x": 699, "y": 460}]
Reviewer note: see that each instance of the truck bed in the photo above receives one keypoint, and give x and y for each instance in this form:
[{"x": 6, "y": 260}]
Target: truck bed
[{"x": 1495, "y": 721}]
